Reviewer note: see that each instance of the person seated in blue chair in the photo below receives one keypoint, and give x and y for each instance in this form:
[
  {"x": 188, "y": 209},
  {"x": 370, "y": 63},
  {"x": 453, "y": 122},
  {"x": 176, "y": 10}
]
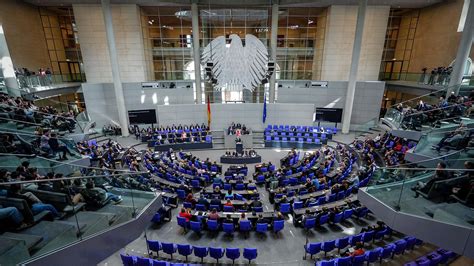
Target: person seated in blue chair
[
  {"x": 358, "y": 250},
  {"x": 229, "y": 194},
  {"x": 261, "y": 220},
  {"x": 213, "y": 215},
  {"x": 203, "y": 201},
  {"x": 228, "y": 219},
  {"x": 302, "y": 220},
  {"x": 218, "y": 180}
]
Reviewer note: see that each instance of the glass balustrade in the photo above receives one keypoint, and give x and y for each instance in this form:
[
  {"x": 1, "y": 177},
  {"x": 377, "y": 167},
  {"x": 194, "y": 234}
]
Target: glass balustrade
[
  {"x": 49, "y": 80},
  {"x": 66, "y": 209},
  {"x": 416, "y": 191},
  {"x": 424, "y": 112}
]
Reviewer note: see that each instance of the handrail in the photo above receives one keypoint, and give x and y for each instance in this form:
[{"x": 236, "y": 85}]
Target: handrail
[
  {"x": 19, "y": 121},
  {"x": 46, "y": 114},
  {"x": 424, "y": 95},
  {"x": 436, "y": 109},
  {"x": 77, "y": 165}
]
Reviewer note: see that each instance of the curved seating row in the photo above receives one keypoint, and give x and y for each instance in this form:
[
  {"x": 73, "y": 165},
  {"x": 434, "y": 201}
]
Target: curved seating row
[
  {"x": 201, "y": 252},
  {"x": 377, "y": 254},
  {"x": 229, "y": 228},
  {"x": 439, "y": 256}
]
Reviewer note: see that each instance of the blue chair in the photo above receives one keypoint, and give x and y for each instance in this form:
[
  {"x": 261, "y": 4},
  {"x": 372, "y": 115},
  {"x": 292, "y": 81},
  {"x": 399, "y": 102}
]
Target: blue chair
[
  {"x": 373, "y": 255},
  {"x": 332, "y": 198},
  {"x": 200, "y": 252},
  {"x": 354, "y": 239},
  {"x": 411, "y": 241},
  {"x": 387, "y": 252},
  {"x": 309, "y": 223},
  {"x": 216, "y": 253},
  {"x": 128, "y": 260},
  {"x": 155, "y": 246},
  {"x": 188, "y": 205},
  {"x": 228, "y": 228},
  {"x": 278, "y": 226},
  {"x": 400, "y": 246},
  {"x": 183, "y": 223},
  {"x": 298, "y": 205},
  {"x": 358, "y": 260},
  {"x": 217, "y": 207},
  {"x": 362, "y": 213},
  {"x": 232, "y": 253},
  {"x": 141, "y": 261},
  {"x": 260, "y": 179},
  {"x": 285, "y": 208},
  {"x": 312, "y": 249},
  {"x": 185, "y": 250},
  {"x": 328, "y": 246},
  {"x": 342, "y": 243},
  {"x": 227, "y": 186},
  {"x": 159, "y": 263},
  {"x": 348, "y": 214},
  {"x": 344, "y": 261},
  {"x": 228, "y": 209},
  {"x": 262, "y": 228},
  {"x": 332, "y": 262},
  {"x": 169, "y": 248},
  {"x": 257, "y": 209},
  {"x": 240, "y": 186},
  {"x": 367, "y": 236},
  {"x": 181, "y": 194},
  {"x": 195, "y": 226},
  {"x": 195, "y": 183},
  {"x": 245, "y": 227},
  {"x": 250, "y": 253},
  {"x": 201, "y": 207},
  {"x": 157, "y": 218},
  {"x": 338, "y": 217},
  {"x": 321, "y": 200},
  {"x": 212, "y": 225},
  {"x": 323, "y": 219}
]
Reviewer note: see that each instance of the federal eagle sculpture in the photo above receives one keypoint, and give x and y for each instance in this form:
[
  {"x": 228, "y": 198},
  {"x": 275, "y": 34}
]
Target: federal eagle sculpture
[{"x": 236, "y": 66}]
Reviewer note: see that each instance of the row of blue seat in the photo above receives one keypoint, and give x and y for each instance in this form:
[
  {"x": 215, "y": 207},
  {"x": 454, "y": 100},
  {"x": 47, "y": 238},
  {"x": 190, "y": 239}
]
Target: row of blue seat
[
  {"x": 299, "y": 140},
  {"x": 128, "y": 260},
  {"x": 374, "y": 255},
  {"x": 328, "y": 246},
  {"x": 301, "y": 128},
  {"x": 201, "y": 252},
  {"x": 202, "y": 207},
  {"x": 229, "y": 228},
  {"x": 439, "y": 256}
]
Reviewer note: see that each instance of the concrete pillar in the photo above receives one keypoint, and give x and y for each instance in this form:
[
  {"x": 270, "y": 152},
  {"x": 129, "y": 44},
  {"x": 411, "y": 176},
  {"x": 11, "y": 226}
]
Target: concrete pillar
[
  {"x": 346, "y": 122},
  {"x": 6, "y": 65},
  {"x": 196, "y": 52},
  {"x": 273, "y": 48},
  {"x": 464, "y": 49},
  {"x": 119, "y": 98}
]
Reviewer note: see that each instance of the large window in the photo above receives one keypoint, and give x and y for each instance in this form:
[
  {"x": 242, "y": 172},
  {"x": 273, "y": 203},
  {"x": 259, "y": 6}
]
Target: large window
[
  {"x": 300, "y": 42},
  {"x": 398, "y": 46},
  {"x": 63, "y": 44},
  {"x": 168, "y": 41}
]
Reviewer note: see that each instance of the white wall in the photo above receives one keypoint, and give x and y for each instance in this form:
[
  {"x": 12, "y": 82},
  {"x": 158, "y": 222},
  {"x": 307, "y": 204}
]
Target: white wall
[
  {"x": 102, "y": 107},
  {"x": 367, "y": 99},
  {"x": 128, "y": 39},
  {"x": 339, "y": 39},
  {"x": 296, "y": 104}
]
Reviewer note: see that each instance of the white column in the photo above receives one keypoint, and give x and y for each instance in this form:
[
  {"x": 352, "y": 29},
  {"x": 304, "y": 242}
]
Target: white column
[
  {"x": 196, "y": 52},
  {"x": 464, "y": 49},
  {"x": 119, "y": 98},
  {"x": 273, "y": 48},
  {"x": 346, "y": 122},
  {"x": 6, "y": 65}
]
